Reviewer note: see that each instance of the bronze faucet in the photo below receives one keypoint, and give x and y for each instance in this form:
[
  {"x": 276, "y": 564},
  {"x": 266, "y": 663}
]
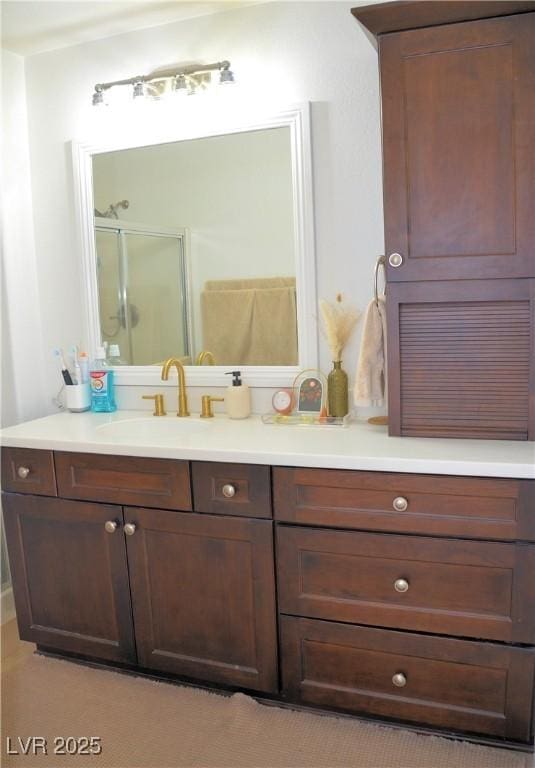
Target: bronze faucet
[{"x": 182, "y": 396}]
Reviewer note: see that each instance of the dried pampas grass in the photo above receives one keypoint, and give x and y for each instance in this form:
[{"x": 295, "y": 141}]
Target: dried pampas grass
[{"x": 339, "y": 321}]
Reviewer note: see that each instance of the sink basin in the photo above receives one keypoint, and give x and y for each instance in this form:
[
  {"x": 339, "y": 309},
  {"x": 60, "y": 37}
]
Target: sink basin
[{"x": 168, "y": 428}]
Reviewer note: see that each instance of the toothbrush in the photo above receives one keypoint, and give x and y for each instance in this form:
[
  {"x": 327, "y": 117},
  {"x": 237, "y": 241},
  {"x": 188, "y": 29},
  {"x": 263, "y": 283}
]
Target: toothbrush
[
  {"x": 76, "y": 362},
  {"x": 67, "y": 378}
]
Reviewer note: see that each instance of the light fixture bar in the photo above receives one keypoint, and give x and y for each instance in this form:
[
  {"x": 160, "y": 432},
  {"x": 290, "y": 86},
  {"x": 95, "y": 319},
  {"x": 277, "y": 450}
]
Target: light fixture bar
[{"x": 162, "y": 76}]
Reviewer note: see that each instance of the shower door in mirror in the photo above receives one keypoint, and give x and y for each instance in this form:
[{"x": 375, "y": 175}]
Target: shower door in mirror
[{"x": 143, "y": 291}]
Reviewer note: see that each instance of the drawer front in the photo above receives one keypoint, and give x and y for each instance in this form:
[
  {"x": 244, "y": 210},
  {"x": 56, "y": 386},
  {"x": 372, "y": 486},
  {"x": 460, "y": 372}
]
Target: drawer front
[
  {"x": 25, "y": 470},
  {"x": 454, "y": 684},
  {"x": 427, "y": 504},
  {"x": 231, "y": 489},
  {"x": 409, "y": 582},
  {"x": 161, "y": 483}
]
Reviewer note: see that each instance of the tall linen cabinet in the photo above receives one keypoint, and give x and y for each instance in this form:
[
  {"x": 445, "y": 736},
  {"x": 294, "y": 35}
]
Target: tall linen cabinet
[{"x": 458, "y": 122}]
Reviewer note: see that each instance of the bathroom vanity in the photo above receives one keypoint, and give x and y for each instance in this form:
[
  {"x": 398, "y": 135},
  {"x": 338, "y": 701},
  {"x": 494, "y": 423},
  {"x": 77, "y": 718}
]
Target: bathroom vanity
[{"x": 367, "y": 587}]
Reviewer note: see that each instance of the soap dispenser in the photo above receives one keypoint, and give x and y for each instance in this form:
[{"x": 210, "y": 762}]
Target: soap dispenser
[{"x": 238, "y": 397}]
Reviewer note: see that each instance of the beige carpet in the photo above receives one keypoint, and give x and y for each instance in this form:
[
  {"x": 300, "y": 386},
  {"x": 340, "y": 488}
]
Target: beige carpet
[{"x": 145, "y": 723}]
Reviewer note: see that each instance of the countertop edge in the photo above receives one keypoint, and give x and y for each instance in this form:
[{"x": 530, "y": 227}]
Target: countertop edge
[{"x": 427, "y": 466}]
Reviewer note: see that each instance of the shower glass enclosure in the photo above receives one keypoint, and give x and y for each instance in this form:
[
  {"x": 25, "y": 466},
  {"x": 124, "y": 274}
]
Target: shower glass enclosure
[{"x": 143, "y": 291}]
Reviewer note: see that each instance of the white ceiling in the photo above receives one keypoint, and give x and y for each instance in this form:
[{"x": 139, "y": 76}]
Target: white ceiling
[{"x": 35, "y": 26}]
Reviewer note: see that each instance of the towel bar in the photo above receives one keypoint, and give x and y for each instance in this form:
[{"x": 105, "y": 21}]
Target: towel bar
[{"x": 380, "y": 261}]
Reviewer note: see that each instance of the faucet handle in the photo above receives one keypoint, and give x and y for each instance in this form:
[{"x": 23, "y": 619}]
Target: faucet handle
[
  {"x": 159, "y": 407},
  {"x": 207, "y": 400}
]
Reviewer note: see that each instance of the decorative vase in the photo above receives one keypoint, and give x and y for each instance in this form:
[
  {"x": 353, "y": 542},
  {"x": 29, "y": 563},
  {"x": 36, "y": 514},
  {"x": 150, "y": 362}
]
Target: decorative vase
[{"x": 337, "y": 387}]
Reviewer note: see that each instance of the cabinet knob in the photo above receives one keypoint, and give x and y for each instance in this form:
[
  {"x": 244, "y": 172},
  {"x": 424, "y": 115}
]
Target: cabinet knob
[
  {"x": 23, "y": 472},
  {"x": 110, "y": 526},
  {"x": 399, "y": 680},
  {"x": 130, "y": 529},
  {"x": 401, "y": 585},
  {"x": 229, "y": 490},
  {"x": 400, "y": 504},
  {"x": 395, "y": 259}
]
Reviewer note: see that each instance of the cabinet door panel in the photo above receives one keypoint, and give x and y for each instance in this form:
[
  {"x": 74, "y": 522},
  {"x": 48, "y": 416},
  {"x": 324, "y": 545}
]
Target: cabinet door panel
[
  {"x": 459, "y": 167},
  {"x": 461, "y": 359},
  {"x": 203, "y": 596},
  {"x": 70, "y": 578}
]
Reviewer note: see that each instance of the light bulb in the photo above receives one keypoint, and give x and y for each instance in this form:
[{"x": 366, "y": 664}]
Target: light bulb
[
  {"x": 226, "y": 76},
  {"x": 180, "y": 83}
]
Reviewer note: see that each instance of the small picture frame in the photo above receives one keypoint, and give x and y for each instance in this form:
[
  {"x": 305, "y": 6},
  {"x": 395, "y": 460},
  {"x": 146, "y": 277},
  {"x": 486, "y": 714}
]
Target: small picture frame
[{"x": 310, "y": 388}]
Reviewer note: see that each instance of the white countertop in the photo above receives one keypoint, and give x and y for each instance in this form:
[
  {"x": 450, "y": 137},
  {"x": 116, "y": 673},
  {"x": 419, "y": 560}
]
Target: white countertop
[{"x": 358, "y": 446}]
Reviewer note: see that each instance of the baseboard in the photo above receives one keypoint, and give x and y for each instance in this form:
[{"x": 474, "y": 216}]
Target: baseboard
[{"x": 7, "y": 606}]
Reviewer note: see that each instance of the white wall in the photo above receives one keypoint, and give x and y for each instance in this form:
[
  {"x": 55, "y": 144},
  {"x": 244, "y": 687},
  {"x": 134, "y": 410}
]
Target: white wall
[
  {"x": 282, "y": 53},
  {"x": 23, "y": 390}
]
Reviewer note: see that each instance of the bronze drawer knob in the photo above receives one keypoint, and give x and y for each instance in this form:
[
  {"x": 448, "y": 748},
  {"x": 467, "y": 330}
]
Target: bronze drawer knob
[
  {"x": 400, "y": 504},
  {"x": 399, "y": 680},
  {"x": 401, "y": 585},
  {"x": 229, "y": 490},
  {"x": 110, "y": 526},
  {"x": 130, "y": 529},
  {"x": 23, "y": 472},
  {"x": 395, "y": 259}
]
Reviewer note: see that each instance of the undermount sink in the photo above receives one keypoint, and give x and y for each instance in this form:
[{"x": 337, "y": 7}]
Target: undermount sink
[{"x": 151, "y": 428}]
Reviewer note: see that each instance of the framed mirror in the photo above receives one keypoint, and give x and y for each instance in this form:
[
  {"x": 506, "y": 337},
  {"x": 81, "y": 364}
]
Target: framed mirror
[{"x": 197, "y": 243}]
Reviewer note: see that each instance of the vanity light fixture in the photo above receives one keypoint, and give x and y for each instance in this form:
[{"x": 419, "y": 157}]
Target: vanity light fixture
[{"x": 187, "y": 79}]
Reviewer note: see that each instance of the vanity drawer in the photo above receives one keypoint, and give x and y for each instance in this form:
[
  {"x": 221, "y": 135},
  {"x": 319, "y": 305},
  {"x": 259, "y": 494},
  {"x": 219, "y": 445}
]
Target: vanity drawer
[
  {"x": 455, "y": 684},
  {"x": 231, "y": 489},
  {"x": 137, "y": 481},
  {"x": 445, "y": 586},
  {"x": 25, "y": 470},
  {"x": 405, "y": 503}
]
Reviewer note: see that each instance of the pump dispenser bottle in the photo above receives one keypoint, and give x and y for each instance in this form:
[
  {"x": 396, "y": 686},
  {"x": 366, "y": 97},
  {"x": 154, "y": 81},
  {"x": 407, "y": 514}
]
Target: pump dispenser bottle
[{"x": 238, "y": 397}]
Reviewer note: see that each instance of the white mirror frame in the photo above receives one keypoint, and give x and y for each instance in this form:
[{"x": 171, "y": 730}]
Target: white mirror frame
[{"x": 297, "y": 119}]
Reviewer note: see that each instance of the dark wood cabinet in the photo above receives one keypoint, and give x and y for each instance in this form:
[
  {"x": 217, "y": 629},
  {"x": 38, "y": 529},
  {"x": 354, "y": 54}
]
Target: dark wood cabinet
[
  {"x": 437, "y": 505},
  {"x": 26, "y": 470},
  {"x": 400, "y": 596},
  {"x": 160, "y": 483},
  {"x": 344, "y": 594},
  {"x": 231, "y": 489},
  {"x": 203, "y": 593},
  {"x": 459, "y": 149},
  {"x": 70, "y": 577},
  {"x": 409, "y": 582},
  {"x": 455, "y": 684},
  {"x": 458, "y": 117}
]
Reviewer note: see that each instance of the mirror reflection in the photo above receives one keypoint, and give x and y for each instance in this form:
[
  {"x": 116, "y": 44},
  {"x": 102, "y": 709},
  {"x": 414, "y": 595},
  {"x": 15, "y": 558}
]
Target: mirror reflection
[{"x": 195, "y": 250}]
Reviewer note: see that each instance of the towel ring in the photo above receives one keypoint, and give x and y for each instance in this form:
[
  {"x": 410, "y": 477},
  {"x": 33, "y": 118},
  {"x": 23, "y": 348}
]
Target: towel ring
[{"x": 381, "y": 260}]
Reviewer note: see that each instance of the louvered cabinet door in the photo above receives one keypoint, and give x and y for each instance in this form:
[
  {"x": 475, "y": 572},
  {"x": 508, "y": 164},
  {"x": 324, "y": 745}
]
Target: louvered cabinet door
[{"x": 461, "y": 359}]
